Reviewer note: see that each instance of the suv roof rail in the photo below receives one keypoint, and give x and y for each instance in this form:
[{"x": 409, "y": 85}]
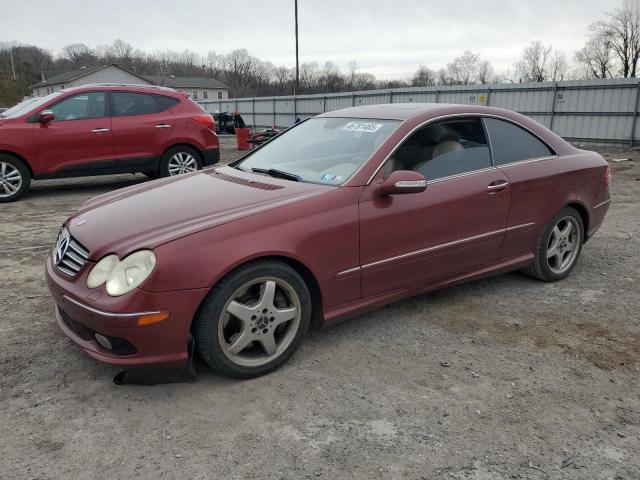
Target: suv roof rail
[{"x": 136, "y": 85}]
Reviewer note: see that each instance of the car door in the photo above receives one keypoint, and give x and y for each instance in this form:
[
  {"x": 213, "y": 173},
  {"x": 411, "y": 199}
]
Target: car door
[
  {"x": 79, "y": 138},
  {"x": 457, "y": 223},
  {"x": 523, "y": 157},
  {"x": 141, "y": 129}
]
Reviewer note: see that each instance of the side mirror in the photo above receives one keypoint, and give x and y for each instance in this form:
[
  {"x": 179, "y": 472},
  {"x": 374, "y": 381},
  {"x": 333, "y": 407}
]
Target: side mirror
[
  {"x": 46, "y": 116},
  {"x": 403, "y": 181}
]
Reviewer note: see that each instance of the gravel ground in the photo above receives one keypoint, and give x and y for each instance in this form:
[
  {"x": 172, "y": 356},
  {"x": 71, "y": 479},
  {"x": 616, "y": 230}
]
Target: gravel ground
[{"x": 500, "y": 378}]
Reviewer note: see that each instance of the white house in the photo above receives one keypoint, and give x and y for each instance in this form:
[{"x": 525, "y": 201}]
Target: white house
[{"x": 200, "y": 89}]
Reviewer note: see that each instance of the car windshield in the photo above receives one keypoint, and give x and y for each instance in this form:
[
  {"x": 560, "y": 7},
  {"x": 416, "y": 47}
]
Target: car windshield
[
  {"x": 320, "y": 150},
  {"x": 28, "y": 105}
]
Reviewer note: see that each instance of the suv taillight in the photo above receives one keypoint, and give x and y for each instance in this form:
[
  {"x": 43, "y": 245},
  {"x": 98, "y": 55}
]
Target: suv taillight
[
  {"x": 206, "y": 120},
  {"x": 607, "y": 175}
]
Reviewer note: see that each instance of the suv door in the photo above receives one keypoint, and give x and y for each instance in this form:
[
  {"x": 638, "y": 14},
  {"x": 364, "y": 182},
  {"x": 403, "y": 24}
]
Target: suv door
[
  {"x": 457, "y": 223},
  {"x": 79, "y": 138},
  {"x": 142, "y": 128}
]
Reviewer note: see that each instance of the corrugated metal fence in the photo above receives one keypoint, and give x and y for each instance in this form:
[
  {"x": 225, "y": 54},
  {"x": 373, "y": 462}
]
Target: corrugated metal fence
[{"x": 598, "y": 111}]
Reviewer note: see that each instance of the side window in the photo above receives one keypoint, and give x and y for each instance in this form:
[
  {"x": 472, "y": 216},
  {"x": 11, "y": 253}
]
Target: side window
[
  {"x": 510, "y": 143},
  {"x": 205, "y": 94},
  {"x": 443, "y": 149},
  {"x": 166, "y": 102},
  {"x": 129, "y": 103},
  {"x": 219, "y": 95},
  {"x": 195, "y": 94},
  {"x": 79, "y": 107}
]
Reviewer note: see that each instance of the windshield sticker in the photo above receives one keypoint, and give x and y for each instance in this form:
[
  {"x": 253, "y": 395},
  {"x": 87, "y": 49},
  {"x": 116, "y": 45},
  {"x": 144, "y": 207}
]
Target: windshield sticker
[
  {"x": 366, "y": 127},
  {"x": 332, "y": 178}
]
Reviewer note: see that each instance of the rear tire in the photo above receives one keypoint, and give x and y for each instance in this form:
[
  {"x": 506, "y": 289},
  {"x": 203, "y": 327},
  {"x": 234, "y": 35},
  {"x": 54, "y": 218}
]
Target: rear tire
[
  {"x": 179, "y": 159},
  {"x": 15, "y": 178},
  {"x": 558, "y": 248},
  {"x": 253, "y": 320}
]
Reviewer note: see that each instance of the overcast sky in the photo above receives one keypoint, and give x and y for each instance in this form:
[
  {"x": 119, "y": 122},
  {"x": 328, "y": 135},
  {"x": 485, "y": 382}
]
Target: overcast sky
[{"x": 389, "y": 38}]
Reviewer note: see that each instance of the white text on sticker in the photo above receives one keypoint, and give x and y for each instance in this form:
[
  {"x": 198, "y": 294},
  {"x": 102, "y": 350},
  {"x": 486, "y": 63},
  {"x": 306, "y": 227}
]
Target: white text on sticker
[{"x": 367, "y": 127}]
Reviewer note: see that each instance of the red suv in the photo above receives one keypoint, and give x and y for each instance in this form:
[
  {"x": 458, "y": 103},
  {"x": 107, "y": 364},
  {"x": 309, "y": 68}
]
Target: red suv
[{"x": 103, "y": 129}]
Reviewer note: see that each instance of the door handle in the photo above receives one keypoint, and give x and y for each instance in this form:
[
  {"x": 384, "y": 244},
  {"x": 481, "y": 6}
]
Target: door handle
[
  {"x": 100, "y": 130},
  {"x": 163, "y": 125},
  {"x": 497, "y": 186}
]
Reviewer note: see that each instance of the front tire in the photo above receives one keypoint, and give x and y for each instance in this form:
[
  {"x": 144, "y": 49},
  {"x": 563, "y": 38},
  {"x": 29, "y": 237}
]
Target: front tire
[
  {"x": 178, "y": 160},
  {"x": 253, "y": 320},
  {"x": 15, "y": 178},
  {"x": 559, "y": 247}
]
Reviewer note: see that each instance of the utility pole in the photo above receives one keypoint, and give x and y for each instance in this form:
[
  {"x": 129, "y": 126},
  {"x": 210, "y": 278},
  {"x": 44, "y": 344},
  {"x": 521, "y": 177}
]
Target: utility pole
[{"x": 296, "y": 88}]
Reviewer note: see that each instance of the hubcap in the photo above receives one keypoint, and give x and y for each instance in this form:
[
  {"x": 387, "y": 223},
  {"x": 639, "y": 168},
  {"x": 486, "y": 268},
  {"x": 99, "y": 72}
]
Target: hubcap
[
  {"x": 563, "y": 245},
  {"x": 259, "y": 322},
  {"x": 182, "y": 162},
  {"x": 10, "y": 179}
]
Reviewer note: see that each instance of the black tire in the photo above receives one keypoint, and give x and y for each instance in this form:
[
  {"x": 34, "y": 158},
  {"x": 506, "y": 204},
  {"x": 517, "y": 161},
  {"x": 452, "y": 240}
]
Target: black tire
[
  {"x": 166, "y": 158},
  {"x": 7, "y": 184},
  {"x": 206, "y": 325},
  {"x": 540, "y": 268}
]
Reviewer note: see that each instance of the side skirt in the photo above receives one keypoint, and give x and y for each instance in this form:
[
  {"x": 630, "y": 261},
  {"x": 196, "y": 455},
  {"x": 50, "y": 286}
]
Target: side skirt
[
  {"x": 107, "y": 167},
  {"x": 343, "y": 312}
]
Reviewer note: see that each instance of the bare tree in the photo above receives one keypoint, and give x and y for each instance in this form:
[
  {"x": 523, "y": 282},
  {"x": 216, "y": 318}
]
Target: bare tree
[
  {"x": 423, "y": 77},
  {"x": 534, "y": 63},
  {"x": 309, "y": 76},
  {"x": 282, "y": 77},
  {"x": 443, "y": 77},
  {"x": 558, "y": 66},
  {"x": 352, "y": 73},
  {"x": 331, "y": 79},
  {"x": 622, "y": 31},
  {"x": 214, "y": 65},
  {"x": 596, "y": 57},
  {"x": 79, "y": 54},
  {"x": 485, "y": 72},
  {"x": 464, "y": 69}
]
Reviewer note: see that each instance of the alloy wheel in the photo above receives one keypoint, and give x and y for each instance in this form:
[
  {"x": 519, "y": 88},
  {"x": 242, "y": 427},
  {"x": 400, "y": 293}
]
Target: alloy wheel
[
  {"x": 10, "y": 179},
  {"x": 182, "y": 162},
  {"x": 563, "y": 245},
  {"x": 259, "y": 321}
]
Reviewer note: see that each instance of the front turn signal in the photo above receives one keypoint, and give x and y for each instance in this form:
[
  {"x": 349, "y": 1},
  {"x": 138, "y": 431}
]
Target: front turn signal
[{"x": 152, "y": 318}]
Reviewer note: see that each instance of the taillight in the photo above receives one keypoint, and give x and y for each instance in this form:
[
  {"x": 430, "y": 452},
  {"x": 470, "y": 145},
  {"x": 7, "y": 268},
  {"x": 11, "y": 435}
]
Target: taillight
[
  {"x": 607, "y": 175},
  {"x": 206, "y": 120}
]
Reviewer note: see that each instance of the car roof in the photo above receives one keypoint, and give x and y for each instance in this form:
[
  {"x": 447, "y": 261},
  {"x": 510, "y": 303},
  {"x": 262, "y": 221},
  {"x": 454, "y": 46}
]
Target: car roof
[{"x": 406, "y": 111}]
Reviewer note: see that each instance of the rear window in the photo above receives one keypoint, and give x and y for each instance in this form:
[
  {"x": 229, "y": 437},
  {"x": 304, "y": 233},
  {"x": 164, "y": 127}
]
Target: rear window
[
  {"x": 131, "y": 103},
  {"x": 166, "y": 102},
  {"x": 510, "y": 143}
]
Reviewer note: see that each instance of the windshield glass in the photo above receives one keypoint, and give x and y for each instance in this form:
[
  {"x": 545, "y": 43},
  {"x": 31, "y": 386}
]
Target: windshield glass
[
  {"x": 28, "y": 105},
  {"x": 321, "y": 150}
]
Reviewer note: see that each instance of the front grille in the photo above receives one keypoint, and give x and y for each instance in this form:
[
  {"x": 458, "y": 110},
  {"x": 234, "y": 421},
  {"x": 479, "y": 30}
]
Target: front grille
[{"x": 69, "y": 256}]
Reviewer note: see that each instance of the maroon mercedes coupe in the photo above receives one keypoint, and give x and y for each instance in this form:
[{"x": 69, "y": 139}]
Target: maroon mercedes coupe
[{"x": 340, "y": 214}]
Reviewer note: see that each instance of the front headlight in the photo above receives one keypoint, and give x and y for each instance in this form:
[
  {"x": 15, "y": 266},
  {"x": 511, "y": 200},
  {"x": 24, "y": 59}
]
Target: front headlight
[{"x": 122, "y": 276}]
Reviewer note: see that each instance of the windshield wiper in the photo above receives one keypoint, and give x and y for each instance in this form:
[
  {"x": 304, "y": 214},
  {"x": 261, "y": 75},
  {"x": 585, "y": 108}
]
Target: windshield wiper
[{"x": 272, "y": 172}]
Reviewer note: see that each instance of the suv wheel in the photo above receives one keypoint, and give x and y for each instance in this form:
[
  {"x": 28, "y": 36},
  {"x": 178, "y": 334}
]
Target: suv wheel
[
  {"x": 15, "y": 178},
  {"x": 178, "y": 160}
]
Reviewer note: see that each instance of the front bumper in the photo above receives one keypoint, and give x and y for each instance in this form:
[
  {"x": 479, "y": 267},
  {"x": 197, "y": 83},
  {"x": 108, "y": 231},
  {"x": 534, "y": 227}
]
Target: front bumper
[{"x": 81, "y": 313}]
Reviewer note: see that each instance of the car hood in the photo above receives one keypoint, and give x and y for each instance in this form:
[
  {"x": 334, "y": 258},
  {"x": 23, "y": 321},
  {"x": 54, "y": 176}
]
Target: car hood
[{"x": 156, "y": 212}]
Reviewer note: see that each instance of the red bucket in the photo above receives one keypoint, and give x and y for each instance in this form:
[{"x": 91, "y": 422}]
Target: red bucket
[{"x": 242, "y": 138}]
